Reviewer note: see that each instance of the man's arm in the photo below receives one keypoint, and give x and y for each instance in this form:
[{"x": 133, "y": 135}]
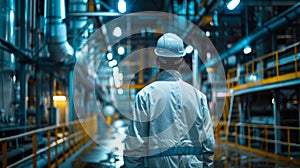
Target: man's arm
[
  {"x": 208, "y": 145},
  {"x": 137, "y": 136}
]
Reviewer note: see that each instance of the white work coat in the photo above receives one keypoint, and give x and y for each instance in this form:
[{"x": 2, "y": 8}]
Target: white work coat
[{"x": 171, "y": 126}]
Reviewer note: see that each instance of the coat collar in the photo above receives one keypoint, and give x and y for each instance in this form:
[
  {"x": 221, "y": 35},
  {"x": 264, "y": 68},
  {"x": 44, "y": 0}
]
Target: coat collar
[{"x": 169, "y": 75}]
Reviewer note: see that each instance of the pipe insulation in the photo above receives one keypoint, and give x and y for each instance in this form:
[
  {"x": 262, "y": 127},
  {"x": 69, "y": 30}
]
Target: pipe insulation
[
  {"x": 7, "y": 32},
  {"x": 270, "y": 26},
  {"x": 7, "y": 59},
  {"x": 56, "y": 31}
]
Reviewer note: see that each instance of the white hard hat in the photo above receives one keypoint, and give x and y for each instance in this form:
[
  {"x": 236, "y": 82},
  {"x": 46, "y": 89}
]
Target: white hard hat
[{"x": 170, "y": 45}]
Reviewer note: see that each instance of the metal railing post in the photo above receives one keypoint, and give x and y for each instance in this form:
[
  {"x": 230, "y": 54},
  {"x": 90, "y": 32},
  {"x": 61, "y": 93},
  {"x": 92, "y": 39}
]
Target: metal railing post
[
  {"x": 277, "y": 66},
  {"x": 56, "y": 147},
  {"x": 236, "y": 134},
  {"x": 249, "y": 136},
  {"x": 34, "y": 149},
  {"x": 289, "y": 143},
  {"x": 69, "y": 140},
  {"x": 266, "y": 138},
  {"x": 4, "y": 154},
  {"x": 63, "y": 143},
  {"x": 261, "y": 69},
  {"x": 49, "y": 148}
]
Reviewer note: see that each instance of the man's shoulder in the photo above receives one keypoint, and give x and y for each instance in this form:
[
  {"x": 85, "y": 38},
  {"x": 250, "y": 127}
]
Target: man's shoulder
[
  {"x": 148, "y": 88},
  {"x": 191, "y": 87}
]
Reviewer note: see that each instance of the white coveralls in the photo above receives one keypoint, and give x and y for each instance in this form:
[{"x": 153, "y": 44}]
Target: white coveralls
[{"x": 171, "y": 126}]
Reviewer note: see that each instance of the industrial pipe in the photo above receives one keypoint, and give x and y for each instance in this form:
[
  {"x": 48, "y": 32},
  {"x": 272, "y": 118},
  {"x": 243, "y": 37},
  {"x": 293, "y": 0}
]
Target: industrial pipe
[
  {"x": 7, "y": 62},
  {"x": 56, "y": 31},
  {"x": 7, "y": 31},
  {"x": 270, "y": 26}
]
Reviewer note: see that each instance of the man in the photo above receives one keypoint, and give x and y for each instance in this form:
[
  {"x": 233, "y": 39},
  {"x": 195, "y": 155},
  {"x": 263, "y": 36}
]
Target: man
[{"x": 171, "y": 124}]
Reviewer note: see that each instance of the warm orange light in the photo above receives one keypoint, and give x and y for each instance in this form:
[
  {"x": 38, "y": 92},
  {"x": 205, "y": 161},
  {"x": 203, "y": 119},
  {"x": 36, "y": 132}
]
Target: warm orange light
[{"x": 59, "y": 98}]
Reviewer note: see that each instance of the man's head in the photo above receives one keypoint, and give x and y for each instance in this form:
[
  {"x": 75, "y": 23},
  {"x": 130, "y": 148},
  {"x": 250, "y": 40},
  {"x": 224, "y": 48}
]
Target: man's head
[{"x": 170, "y": 51}]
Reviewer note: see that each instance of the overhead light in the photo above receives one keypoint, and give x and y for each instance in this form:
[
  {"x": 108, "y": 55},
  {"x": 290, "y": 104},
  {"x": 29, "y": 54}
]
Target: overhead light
[
  {"x": 59, "y": 98},
  {"x": 117, "y": 32},
  {"x": 252, "y": 77},
  {"x": 121, "y": 50},
  {"x": 208, "y": 55},
  {"x": 120, "y": 91},
  {"x": 247, "y": 49},
  {"x": 207, "y": 33},
  {"x": 122, "y": 6},
  {"x": 115, "y": 69},
  {"x": 232, "y": 4},
  {"x": 189, "y": 49},
  {"x": 109, "y": 56},
  {"x": 112, "y": 63}
]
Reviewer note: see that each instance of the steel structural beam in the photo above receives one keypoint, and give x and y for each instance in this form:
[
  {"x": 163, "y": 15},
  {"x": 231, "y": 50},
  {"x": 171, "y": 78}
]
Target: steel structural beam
[{"x": 270, "y": 26}]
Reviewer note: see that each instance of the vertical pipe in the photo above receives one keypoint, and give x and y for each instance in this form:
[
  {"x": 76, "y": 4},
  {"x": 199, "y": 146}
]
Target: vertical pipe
[
  {"x": 38, "y": 96},
  {"x": 230, "y": 112},
  {"x": 141, "y": 79},
  {"x": 296, "y": 60},
  {"x": 71, "y": 98},
  {"x": 7, "y": 61},
  {"x": 236, "y": 134},
  {"x": 289, "y": 142},
  {"x": 261, "y": 70},
  {"x": 277, "y": 65},
  {"x": 266, "y": 138},
  {"x": 51, "y": 94},
  {"x": 242, "y": 120},
  {"x": 23, "y": 23},
  {"x": 298, "y": 99},
  {"x": 23, "y": 95},
  {"x": 195, "y": 61},
  {"x": 56, "y": 31},
  {"x": 247, "y": 73},
  {"x": 276, "y": 123}
]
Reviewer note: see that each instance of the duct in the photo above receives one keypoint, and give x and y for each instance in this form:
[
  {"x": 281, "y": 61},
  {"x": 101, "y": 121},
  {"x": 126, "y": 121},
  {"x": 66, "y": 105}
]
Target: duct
[
  {"x": 79, "y": 24},
  {"x": 270, "y": 26},
  {"x": 56, "y": 31}
]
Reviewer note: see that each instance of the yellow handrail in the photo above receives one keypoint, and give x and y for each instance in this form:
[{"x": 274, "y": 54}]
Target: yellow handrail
[
  {"x": 237, "y": 79},
  {"x": 76, "y": 137},
  {"x": 232, "y": 137}
]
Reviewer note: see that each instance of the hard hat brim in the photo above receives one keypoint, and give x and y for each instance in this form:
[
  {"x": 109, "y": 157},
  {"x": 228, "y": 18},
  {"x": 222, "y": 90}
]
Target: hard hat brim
[{"x": 167, "y": 53}]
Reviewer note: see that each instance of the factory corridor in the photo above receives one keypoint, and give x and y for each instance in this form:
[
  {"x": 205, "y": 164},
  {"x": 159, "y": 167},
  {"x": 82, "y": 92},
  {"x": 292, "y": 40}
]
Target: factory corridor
[{"x": 75, "y": 73}]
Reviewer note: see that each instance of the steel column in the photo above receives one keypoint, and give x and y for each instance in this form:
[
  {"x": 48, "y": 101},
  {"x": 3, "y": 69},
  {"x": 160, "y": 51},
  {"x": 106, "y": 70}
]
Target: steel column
[
  {"x": 242, "y": 120},
  {"x": 38, "y": 96},
  {"x": 23, "y": 95},
  {"x": 276, "y": 122},
  {"x": 51, "y": 94},
  {"x": 71, "y": 100}
]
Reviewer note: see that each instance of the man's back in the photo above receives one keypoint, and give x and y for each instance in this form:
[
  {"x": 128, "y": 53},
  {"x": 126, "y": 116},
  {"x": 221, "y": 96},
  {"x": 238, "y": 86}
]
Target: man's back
[{"x": 172, "y": 123}]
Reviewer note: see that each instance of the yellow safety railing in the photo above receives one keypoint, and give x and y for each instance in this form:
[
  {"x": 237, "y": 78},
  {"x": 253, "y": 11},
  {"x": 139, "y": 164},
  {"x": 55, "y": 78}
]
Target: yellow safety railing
[
  {"x": 69, "y": 137},
  {"x": 277, "y": 66},
  {"x": 261, "y": 139}
]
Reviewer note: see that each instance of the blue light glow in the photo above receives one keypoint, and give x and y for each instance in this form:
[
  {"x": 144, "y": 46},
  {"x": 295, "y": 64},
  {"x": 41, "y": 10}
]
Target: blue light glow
[
  {"x": 233, "y": 4},
  {"x": 247, "y": 49},
  {"x": 122, "y": 6}
]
